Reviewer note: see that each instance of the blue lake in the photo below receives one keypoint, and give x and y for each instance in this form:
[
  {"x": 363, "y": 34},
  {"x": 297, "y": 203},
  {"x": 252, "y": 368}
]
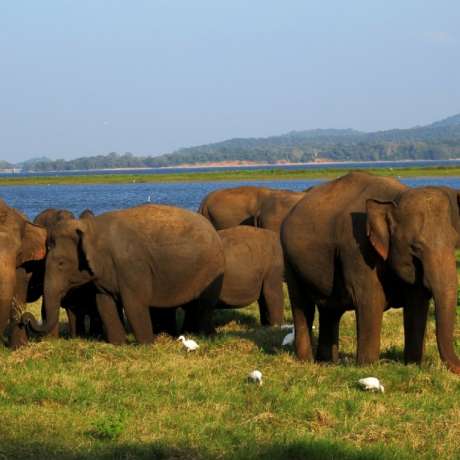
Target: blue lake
[{"x": 100, "y": 198}]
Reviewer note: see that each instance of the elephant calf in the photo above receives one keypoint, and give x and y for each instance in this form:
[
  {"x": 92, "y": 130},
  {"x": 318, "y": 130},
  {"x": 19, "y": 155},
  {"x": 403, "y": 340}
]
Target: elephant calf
[
  {"x": 253, "y": 272},
  {"x": 79, "y": 303}
]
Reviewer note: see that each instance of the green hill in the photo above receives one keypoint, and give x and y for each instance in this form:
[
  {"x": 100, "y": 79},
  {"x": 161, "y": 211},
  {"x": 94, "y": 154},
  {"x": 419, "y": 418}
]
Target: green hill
[{"x": 439, "y": 140}]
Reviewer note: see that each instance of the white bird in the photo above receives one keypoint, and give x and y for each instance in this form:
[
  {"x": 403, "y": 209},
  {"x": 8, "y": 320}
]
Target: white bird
[
  {"x": 371, "y": 384},
  {"x": 256, "y": 377},
  {"x": 289, "y": 339},
  {"x": 148, "y": 199},
  {"x": 190, "y": 344}
]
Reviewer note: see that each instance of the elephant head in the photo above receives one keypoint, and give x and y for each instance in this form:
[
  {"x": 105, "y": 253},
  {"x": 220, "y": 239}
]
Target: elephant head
[
  {"x": 21, "y": 242},
  {"x": 417, "y": 236},
  {"x": 68, "y": 265}
]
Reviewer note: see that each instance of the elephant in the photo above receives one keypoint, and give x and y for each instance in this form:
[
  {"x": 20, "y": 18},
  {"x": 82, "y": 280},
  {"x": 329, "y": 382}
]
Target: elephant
[
  {"x": 369, "y": 243},
  {"x": 22, "y": 247},
  {"x": 255, "y": 206},
  {"x": 80, "y": 302},
  {"x": 145, "y": 256},
  {"x": 254, "y": 268}
]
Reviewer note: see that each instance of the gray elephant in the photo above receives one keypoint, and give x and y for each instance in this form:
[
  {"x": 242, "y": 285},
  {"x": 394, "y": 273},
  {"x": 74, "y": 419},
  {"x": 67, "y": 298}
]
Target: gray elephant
[
  {"x": 256, "y": 206},
  {"x": 22, "y": 247},
  {"x": 368, "y": 243},
  {"x": 142, "y": 257}
]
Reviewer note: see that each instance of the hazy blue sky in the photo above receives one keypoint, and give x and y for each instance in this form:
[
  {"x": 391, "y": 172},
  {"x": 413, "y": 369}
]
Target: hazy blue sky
[{"x": 88, "y": 77}]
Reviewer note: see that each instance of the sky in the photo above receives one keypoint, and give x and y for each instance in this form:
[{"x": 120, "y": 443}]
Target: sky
[{"x": 86, "y": 77}]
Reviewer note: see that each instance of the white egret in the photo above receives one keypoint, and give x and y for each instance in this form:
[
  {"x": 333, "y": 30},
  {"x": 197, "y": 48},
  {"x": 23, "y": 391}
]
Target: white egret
[
  {"x": 256, "y": 377},
  {"x": 190, "y": 344},
  {"x": 371, "y": 384},
  {"x": 289, "y": 339}
]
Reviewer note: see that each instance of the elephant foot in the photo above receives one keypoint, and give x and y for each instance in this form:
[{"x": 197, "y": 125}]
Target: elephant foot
[
  {"x": 18, "y": 337},
  {"x": 327, "y": 354}
]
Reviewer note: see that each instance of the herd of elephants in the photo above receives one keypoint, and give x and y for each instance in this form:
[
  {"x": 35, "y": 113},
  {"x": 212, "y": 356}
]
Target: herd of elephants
[{"x": 359, "y": 242}]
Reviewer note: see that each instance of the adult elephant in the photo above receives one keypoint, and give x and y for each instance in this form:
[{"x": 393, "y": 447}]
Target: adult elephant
[
  {"x": 79, "y": 303},
  {"x": 254, "y": 268},
  {"x": 256, "y": 206},
  {"x": 22, "y": 246},
  {"x": 368, "y": 243},
  {"x": 146, "y": 256}
]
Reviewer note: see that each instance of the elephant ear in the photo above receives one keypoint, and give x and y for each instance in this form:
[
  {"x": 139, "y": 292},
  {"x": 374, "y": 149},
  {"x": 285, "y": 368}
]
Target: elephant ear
[
  {"x": 378, "y": 225},
  {"x": 33, "y": 245},
  {"x": 86, "y": 249}
]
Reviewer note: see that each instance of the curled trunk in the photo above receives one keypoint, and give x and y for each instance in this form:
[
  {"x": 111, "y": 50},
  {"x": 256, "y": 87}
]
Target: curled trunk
[{"x": 51, "y": 309}]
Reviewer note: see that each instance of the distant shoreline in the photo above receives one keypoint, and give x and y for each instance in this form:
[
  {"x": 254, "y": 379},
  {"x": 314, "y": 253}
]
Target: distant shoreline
[
  {"x": 235, "y": 175},
  {"x": 222, "y": 164}
]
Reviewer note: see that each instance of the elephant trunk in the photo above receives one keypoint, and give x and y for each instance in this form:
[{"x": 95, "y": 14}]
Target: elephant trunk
[
  {"x": 51, "y": 305},
  {"x": 442, "y": 280}
]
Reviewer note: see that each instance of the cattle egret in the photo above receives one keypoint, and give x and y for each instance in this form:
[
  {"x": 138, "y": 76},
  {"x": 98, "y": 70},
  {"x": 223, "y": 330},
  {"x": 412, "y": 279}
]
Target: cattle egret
[
  {"x": 289, "y": 339},
  {"x": 190, "y": 344},
  {"x": 371, "y": 384},
  {"x": 256, "y": 377}
]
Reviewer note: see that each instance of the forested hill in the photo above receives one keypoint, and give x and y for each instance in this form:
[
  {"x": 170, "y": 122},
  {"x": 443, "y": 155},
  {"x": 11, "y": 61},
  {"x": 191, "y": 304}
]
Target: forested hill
[{"x": 440, "y": 140}]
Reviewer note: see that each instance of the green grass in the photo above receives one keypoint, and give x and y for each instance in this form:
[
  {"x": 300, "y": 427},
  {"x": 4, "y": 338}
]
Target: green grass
[
  {"x": 269, "y": 174},
  {"x": 69, "y": 399}
]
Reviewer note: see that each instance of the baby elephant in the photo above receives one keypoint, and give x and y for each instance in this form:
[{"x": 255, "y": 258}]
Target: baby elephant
[{"x": 254, "y": 270}]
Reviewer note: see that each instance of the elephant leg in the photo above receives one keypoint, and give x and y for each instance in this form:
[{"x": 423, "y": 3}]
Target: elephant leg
[
  {"x": 80, "y": 317},
  {"x": 95, "y": 323},
  {"x": 271, "y": 300},
  {"x": 108, "y": 311},
  {"x": 163, "y": 320},
  {"x": 198, "y": 318},
  {"x": 190, "y": 318},
  {"x": 18, "y": 333},
  {"x": 72, "y": 322},
  {"x": 415, "y": 313},
  {"x": 199, "y": 313},
  {"x": 139, "y": 318},
  {"x": 328, "y": 340},
  {"x": 300, "y": 305},
  {"x": 369, "y": 316}
]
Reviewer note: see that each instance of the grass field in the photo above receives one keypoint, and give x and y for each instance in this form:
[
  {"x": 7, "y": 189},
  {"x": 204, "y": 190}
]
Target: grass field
[
  {"x": 268, "y": 174},
  {"x": 69, "y": 399}
]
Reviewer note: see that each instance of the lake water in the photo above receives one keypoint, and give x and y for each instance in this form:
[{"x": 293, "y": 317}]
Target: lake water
[{"x": 100, "y": 198}]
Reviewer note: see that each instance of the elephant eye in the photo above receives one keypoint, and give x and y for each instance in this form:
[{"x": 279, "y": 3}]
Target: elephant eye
[
  {"x": 60, "y": 262},
  {"x": 416, "y": 248}
]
